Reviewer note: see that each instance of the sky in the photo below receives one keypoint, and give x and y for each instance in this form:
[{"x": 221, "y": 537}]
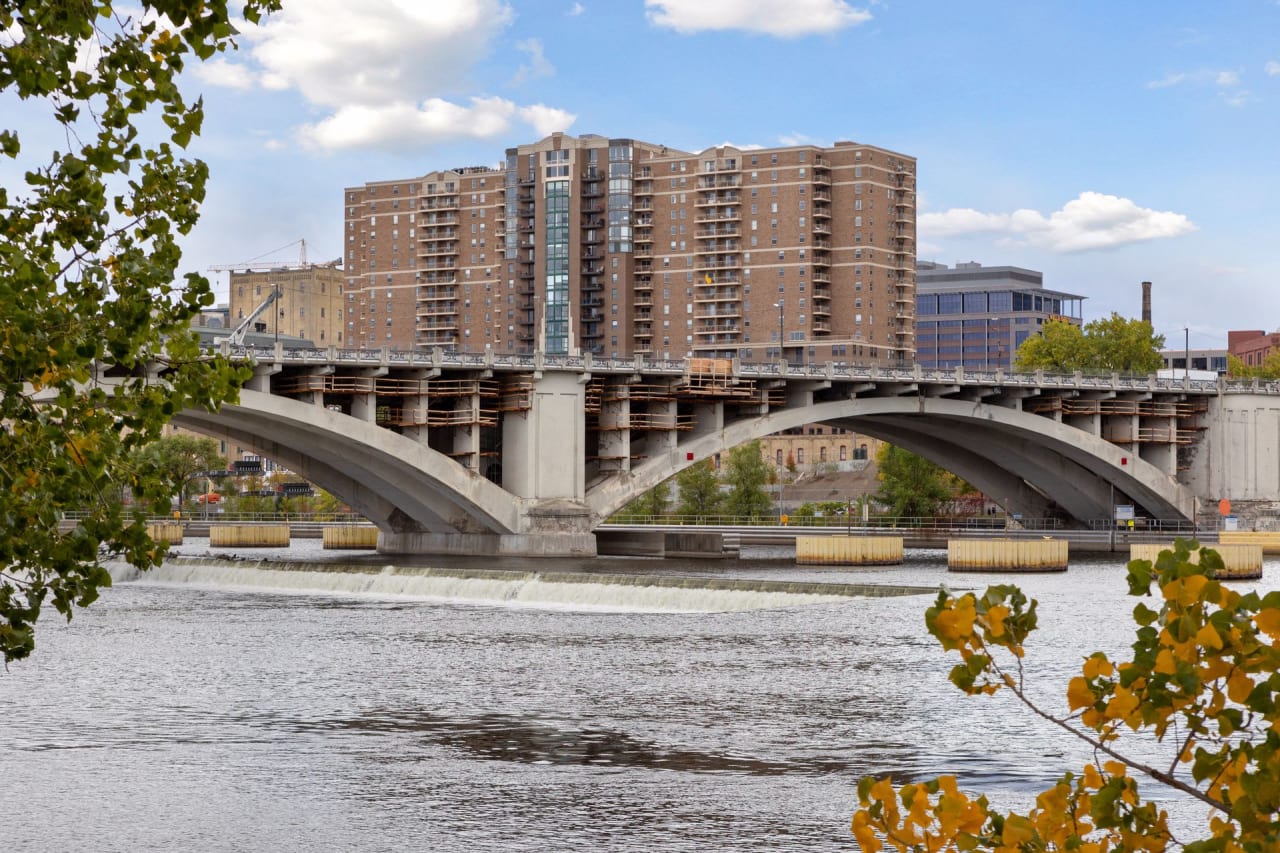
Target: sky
[{"x": 1103, "y": 144}]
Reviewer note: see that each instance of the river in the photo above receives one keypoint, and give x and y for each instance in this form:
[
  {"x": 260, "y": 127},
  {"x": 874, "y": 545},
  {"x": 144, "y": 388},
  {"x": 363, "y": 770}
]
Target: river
[{"x": 188, "y": 712}]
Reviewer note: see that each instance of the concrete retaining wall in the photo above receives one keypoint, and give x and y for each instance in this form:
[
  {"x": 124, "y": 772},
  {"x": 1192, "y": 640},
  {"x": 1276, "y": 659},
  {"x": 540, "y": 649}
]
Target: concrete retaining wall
[
  {"x": 169, "y": 531},
  {"x": 1240, "y": 562},
  {"x": 1268, "y": 539},
  {"x": 848, "y": 550},
  {"x": 249, "y": 536},
  {"x": 1007, "y": 555},
  {"x": 344, "y": 536}
]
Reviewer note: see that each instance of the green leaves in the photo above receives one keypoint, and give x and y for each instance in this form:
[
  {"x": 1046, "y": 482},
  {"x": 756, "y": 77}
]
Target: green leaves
[
  {"x": 1101, "y": 346},
  {"x": 87, "y": 274}
]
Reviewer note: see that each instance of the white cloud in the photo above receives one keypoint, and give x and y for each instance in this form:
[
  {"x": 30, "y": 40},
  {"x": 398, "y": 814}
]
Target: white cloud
[
  {"x": 1090, "y": 221},
  {"x": 790, "y": 139},
  {"x": 1167, "y": 81},
  {"x": 1227, "y": 78},
  {"x": 538, "y": 64},
  {"x": 387, "y": 73},
  {"x": 576, "y": 9},
  {"x": 785, "y": 18},
  {"x": 405, "y": 125},
  {"x": 1273, "y": 68},
  {"x": 546, "y": 120},
  {"x": 339, "y": 52},
  {"x": 229, "y": 75}
]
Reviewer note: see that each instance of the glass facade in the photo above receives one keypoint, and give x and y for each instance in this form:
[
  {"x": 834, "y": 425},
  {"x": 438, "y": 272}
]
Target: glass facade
[
  {"x": 620, "y": 195},
  {"x": 555, "y": 316}
]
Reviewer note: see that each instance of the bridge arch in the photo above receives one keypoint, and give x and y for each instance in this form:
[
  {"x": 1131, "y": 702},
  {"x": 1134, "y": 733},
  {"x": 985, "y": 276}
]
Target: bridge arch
[
  {"x": 399, "y": 484},
  {"x": 1024, "y": 461}
]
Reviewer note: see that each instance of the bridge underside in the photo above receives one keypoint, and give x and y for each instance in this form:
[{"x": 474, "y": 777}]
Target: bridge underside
[{"x": 567, "y": 451}]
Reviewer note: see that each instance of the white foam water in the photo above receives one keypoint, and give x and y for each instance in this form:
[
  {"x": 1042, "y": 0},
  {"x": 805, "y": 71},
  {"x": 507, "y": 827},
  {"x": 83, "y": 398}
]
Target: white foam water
[{"x": 497, "y": 588}]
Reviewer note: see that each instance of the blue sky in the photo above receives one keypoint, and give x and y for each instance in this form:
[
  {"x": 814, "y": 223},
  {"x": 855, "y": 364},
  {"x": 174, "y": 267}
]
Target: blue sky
[{"x": 1102, "y": 143}]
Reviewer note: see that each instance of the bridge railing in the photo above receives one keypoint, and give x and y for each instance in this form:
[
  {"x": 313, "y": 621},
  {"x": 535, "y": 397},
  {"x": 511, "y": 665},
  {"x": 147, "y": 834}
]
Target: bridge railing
[
  {"x": 771, "y": 369},
  {"x": 844, "y": 521}
]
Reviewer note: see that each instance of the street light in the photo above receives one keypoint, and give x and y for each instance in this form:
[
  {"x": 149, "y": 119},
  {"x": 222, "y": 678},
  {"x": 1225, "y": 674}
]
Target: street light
[{"x": 782, "y": 353}]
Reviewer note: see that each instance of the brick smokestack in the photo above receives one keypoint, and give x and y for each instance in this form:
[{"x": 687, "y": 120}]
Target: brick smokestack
[{"x": 1146, "y": 302}]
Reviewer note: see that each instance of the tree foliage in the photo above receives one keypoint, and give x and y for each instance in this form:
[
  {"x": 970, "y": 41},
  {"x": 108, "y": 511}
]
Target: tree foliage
[
  {"x": 651, "y": 504},
  {"x": 699, "y": 490},
  {"x": 1113, "y": 344},
  {"x": 746, "y": 472},
  {"x": 178, "y": 457},
  {"x": 1202, "y": 679},
  {"x": 1269, "y": 369},
  {"x": 910, "y": 485},
  {"x": 87, "y": 276}
]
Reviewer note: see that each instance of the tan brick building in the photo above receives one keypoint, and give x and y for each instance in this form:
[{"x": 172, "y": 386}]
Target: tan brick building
[
  {"x": 309, "y": 302},
  {"x": 620, "y": 247}
]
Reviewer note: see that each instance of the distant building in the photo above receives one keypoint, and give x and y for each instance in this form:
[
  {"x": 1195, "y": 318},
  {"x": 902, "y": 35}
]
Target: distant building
[
  {"x": 309, "y": 304},
  {"x": 976, "y": 317},
  {"x": 1214, "y": 360},
  {"x": 619, "y": 247},
  {"x": 1252, "y": 346}
]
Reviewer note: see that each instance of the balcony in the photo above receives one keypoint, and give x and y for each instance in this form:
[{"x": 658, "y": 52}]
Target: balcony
[
  {"x": 821, "y": 277},
  {"x": 646, "y": 252},
  {"x": 726, "y": 215},
  {"x": 438, "y": 309},
  {"x": 821, "y": 211},
  {"x": 821, "y": 325},
  {"x": 715, "y": 294},
  {"x": 716, "y": 199},
  {"x": 821, "y": 228},
  {"x": 714, "y": 231},
  {"x": 711, "y": 182},
  {"x": 592, "y": 269},
  {"x": 719, "y": 262},
  {"x": 592, "y": 191},
  {"x": 823, "y": 292},
  {"x": 822, "y": 195},
  {"x": 643, "y": 204},
  {"x": 718, "y": 311}
]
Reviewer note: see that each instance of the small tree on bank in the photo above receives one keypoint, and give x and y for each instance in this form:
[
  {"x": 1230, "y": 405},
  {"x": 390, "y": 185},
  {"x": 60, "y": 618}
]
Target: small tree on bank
[
  {"x": 1202, "y": 678},
  {"x": 699, "y": 491},
  {"x": 910, "y": 485},
  {"x": 747, "y": 473}
]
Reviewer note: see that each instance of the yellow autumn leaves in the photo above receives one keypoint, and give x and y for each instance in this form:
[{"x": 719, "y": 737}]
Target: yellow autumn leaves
[{"x": 1203, "y": 673}]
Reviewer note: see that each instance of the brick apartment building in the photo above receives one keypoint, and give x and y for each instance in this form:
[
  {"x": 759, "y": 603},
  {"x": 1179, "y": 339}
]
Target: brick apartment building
[{"x": 619, "y": 247}]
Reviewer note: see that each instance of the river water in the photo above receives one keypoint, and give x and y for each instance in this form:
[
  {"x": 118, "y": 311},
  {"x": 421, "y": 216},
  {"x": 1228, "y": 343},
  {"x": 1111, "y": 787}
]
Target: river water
[{"x": 185, "y": 711}]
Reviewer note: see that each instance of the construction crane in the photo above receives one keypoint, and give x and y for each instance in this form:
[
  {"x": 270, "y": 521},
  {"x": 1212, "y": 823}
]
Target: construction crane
[
  {"x": 236, "y": 338},
  {"x": 259, "y": 263}
]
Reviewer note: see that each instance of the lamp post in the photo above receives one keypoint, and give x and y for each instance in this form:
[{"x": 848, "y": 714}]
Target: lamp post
[
  {"x": 782, "y": 352},
  {"x": 986, "y": 343},
  {"x": 1186, "y": 352}
]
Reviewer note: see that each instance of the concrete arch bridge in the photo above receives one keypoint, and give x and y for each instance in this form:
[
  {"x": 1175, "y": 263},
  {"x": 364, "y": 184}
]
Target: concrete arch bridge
[{"x": 527, "y": 454}]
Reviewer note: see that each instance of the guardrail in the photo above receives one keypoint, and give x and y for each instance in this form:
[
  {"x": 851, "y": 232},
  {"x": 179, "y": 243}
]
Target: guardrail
[{"x": 490, "y": 360}]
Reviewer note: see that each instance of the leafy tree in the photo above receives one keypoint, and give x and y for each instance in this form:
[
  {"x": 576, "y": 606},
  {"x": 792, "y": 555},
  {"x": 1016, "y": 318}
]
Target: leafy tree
[
  {"x": 910, "y": 485},
  {"x": 1112, "y": 344},
  {"x": 87, "y": 276},
  {"x": 179, "y": 456},
  {"x": 699, "y": 490},
  {"x": 747, "y": 472},
  {"x": 651, "y": 504},
  {"x": 1269, "y": 369},
  {"x": 1202, "y": 678}
]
